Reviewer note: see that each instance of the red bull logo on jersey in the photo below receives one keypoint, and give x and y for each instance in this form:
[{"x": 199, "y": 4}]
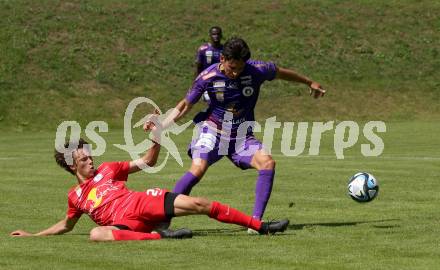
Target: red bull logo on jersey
[
  {"x": 96, "y": 194},
  {"x": 94, "y": 198}
]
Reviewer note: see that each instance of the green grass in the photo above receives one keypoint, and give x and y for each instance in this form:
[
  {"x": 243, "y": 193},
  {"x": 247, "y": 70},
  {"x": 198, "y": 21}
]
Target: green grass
[
  {"x": 58, "y": 55},
  {"x": 329, "y": 231},
  {"x": 85, "y": 60}
]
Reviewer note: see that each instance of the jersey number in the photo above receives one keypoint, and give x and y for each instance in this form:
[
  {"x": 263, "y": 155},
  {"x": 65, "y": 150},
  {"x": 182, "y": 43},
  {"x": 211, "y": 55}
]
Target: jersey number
[{"x": 154, "y": 192}]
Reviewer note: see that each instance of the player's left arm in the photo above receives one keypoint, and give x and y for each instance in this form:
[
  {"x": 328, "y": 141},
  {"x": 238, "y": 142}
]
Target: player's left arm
[{"x": 290, "y": 75}]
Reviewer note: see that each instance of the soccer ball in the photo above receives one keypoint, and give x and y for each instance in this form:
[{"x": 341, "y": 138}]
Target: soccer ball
[{"x": 363, "y": 187}]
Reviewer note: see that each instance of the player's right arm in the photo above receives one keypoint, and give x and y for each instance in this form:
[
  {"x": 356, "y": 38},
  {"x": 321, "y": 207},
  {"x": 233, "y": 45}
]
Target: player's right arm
[
  {"x": 63, "y": 226},
  {"x": 181, "y": 109},
  {"x": 184, "y": 105}
]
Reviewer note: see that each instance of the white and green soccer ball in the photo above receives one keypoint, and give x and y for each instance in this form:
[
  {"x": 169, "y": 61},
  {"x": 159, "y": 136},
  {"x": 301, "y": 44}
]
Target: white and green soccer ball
[{"x": 363, "y": 187}]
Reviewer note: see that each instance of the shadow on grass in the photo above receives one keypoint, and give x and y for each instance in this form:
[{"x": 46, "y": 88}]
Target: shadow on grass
[
  {"x": 342, "y": 224},
  {"x": 224, "y": 232},
  {"x": 235, "y": 231}
]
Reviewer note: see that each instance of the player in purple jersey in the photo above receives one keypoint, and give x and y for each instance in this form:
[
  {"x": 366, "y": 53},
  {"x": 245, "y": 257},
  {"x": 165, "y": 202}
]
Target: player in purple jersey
[
  {"x": 226, "y": 128},
  {"x": 209, "y": 53}
]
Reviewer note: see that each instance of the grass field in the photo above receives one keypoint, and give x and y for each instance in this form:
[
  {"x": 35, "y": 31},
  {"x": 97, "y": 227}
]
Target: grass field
[
  {"x": 399, "y": 230},
  {"x": 85, "y": 60},
  {"x": 54, "y": 51}
]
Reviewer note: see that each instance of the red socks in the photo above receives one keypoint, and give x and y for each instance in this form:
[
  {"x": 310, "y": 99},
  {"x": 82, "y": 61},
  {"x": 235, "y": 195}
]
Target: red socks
[
  {"x": 220, "y": 212},
  {"x": 227, "y": 214},
  {"x": 121, "y": 235}
]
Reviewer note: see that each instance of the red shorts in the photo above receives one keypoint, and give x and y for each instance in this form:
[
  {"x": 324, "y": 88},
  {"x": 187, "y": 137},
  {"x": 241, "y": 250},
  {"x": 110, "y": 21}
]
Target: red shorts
[{"x": 146, "y": 211}]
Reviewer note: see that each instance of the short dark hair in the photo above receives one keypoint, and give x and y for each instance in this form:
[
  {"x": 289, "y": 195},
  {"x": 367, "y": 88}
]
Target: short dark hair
[
  {"x": 236, "y": 48},
  {"x": 60, "y": 157},
  {"x": 215, "y": 27}
]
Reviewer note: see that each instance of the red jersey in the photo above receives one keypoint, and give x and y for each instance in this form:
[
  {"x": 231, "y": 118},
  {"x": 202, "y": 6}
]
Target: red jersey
[{"x": 107, "y": 200}]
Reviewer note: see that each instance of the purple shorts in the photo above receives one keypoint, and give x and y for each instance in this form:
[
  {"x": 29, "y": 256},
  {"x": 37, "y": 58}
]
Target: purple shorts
[{"x": 210, "y": 145}]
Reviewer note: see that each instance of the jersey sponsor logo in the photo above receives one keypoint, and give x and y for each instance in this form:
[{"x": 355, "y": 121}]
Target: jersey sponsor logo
[
  {"x": 97, "y": 194},
  {"x": 246, "y": 80},
  {"x": 94, "y": 198},
  {"x": 234, "y": 121},
  {"x": 218, "y": 84},
  {"x": 208, "y": 55},
  {"x": 97, "y": 178},
  {"x": 78, "y": 191},
  {"x": 248, "y": 91},
  {"x": 219, "y": 88},
  {"x": 233, "y": 85},
  {"x": 220, "y": 96}
]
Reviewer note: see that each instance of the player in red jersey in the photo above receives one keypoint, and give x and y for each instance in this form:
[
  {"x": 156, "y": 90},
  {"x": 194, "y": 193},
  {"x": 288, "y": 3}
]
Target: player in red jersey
[{"x": 123, "y": 214}]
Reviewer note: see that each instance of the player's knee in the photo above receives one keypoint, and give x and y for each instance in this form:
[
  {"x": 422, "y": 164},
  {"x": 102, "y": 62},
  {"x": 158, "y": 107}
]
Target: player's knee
[
  {"x": 95, "y": 234},
  {"x": 268, "y": 164},
  {"x": 198, "y": 170},
  {"x": 201, "y": 205},
  {"x": 99, "y": 234}
]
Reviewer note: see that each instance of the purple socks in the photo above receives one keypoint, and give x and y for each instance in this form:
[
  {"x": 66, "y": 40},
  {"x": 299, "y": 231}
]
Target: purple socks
[
  {"x": 262, "y": 192},
  {"x": 185, "y": 184}
]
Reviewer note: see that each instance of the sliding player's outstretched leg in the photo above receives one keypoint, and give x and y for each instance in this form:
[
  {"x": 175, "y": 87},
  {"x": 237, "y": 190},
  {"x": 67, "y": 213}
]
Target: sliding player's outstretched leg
[{"x": 185, "y": 205}]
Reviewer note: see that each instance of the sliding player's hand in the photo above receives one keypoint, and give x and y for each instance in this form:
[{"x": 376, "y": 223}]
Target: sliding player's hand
[
  {"x": 316, "y": 90},
  {"x": 20, "y": 233},
  {"x": 154, "y": 125}
]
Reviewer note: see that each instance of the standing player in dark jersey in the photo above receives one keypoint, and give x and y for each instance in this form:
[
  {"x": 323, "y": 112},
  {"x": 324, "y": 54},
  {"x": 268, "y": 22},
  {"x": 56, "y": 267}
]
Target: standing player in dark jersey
[
  {"x": 123, "y": 214},
  {"x": 209, "y": 53},
  {"x": 233, "y": 86}
]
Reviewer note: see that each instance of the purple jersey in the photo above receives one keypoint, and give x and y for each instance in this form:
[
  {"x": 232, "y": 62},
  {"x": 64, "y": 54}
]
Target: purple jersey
[
  {"x": 232, "y": 100},
  {"x": 208, "y": 55}
]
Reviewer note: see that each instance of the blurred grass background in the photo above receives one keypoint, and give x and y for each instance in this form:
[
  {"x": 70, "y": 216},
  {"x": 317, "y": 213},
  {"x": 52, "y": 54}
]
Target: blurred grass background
[{"x": 85, "y": 60}]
